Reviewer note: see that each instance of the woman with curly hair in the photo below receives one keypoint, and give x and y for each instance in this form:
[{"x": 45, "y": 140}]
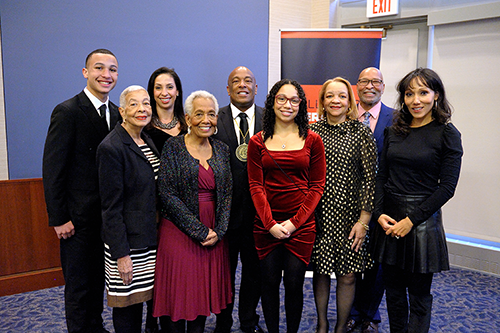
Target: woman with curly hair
[
  {"x": 418, "y": 174},
  {"x": 286, "y": 172},
  {"x": 344, "y": 210}
]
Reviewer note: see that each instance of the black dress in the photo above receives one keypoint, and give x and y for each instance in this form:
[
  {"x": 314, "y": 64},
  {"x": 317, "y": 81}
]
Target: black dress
[
  {"x": 159, "y": 137},
  {"x": 418, "y": 174}
]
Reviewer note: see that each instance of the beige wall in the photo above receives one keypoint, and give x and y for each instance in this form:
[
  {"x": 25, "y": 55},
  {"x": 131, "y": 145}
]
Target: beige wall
[
  {"x": 297, "y": 14},
  {"x": 467, "y": 57}
]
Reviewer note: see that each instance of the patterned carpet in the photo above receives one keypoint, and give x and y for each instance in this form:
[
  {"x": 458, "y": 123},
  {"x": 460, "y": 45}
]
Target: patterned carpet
[{"x": 464, "y": 301}]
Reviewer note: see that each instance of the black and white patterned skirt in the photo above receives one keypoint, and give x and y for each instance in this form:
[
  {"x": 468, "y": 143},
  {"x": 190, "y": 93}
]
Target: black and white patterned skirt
[{"x": 141, "y": 288}]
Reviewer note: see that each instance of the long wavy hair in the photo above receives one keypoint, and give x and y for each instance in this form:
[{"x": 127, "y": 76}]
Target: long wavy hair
[
  {"x": 441, "y": 111},
  {"x": 178, "y": 109},
  {"x": 269, "y": 117}
]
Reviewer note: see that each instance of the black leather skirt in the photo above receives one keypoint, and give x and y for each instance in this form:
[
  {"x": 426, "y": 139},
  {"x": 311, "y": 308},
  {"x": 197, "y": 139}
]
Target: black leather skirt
[{"x": 422, "y": 250}]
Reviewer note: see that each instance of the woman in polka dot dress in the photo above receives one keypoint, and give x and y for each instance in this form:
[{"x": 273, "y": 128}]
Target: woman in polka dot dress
[{"x": 344, "y": 211}]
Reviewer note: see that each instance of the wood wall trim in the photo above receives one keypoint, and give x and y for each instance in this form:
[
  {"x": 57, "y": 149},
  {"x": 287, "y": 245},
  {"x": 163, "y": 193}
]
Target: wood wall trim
[
  {"x": 34, "y": 280},
  {"x": 29, "y": 248}
]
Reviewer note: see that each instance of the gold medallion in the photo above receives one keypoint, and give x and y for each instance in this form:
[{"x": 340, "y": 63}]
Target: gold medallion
[{"x": 241, "y": 152}]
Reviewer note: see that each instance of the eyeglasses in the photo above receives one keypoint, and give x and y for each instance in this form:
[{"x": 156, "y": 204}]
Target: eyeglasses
[
  {"x": 282, "y": 99},
  {"x": 364, "y": 82}
]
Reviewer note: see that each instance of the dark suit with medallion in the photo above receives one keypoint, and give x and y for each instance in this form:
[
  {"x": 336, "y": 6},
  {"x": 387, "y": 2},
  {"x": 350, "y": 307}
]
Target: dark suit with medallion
[
  {"x": 72, "y": 194},
  {"x": 240, "y": 231},
  {"x": 369, "y": 286}
]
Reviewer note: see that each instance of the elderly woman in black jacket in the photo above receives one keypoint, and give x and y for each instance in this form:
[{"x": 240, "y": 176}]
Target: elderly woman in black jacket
[
  {"x": 128, "y": 164},
  {"x": 195, "y": 186}
]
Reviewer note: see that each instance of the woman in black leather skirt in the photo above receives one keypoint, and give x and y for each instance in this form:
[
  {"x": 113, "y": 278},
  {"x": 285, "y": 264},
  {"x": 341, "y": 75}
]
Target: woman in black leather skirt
[{"x": 418, "y": 174}]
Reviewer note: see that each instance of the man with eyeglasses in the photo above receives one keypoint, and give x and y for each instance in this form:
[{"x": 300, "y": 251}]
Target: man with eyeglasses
[{"x": 369, "y": 285}]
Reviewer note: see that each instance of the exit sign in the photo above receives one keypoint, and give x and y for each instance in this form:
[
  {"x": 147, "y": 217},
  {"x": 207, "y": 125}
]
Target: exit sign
[{"x": 376, "y": 8}]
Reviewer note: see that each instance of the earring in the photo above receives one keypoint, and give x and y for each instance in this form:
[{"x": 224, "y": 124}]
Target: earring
[
  {"x": 189, "y": 129},
  {"x": 435, "y": 104},
  {"x": 216, "y": 130},
  {"x": 402, "y": 106}
]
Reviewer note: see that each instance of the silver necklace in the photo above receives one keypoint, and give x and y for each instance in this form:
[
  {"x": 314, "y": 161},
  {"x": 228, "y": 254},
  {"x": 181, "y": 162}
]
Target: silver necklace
[
  {"x": 170, "y": 125},
  {"x": 283, "y": 145}
]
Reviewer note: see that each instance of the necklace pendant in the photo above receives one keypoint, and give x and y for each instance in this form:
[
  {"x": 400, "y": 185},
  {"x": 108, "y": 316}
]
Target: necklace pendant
[{"x": 283, "y": 146}]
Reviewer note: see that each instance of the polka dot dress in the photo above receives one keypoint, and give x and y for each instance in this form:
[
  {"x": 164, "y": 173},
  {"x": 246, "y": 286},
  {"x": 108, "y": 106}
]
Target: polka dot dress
[{"x": 351, "y": 161}]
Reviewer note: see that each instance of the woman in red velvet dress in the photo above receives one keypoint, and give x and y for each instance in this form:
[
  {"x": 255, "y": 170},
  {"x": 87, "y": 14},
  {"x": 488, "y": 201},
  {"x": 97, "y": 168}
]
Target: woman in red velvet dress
[{"x": 286, "y": 172}]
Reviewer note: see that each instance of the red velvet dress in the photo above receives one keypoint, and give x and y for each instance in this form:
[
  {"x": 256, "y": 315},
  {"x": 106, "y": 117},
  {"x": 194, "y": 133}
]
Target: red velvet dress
[
  {"x": 192, "y": 280},
  {"x": 277, "y": 198}
]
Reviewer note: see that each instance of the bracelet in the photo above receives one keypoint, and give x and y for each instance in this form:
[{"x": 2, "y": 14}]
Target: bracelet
[{"x": 364, "y": 225}]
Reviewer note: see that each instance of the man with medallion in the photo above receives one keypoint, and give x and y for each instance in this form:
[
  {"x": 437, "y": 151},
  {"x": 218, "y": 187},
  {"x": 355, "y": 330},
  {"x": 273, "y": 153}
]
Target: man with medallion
[{"x": 237, "y": 123}]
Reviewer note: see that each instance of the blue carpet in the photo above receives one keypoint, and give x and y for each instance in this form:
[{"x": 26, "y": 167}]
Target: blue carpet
[{"x": 464, "y": 301}]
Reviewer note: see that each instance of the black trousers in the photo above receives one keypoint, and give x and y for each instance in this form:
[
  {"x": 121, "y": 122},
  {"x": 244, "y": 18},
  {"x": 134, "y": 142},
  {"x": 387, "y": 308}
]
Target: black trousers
[
  {"x": 241, "y": 243},
  {"x": 369, "y": 290},
  {"x": 369, "y": 294},
  {"x": 403, "y": 287},
  {"x": 82, "y": 261}
]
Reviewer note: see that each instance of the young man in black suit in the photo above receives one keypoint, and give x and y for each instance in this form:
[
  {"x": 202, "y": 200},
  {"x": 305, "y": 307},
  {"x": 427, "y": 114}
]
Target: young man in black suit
[
  {"x": 77, "y": 126},
  {"x": 369, "y": 285},
  {"x": 237, "y": 123}
]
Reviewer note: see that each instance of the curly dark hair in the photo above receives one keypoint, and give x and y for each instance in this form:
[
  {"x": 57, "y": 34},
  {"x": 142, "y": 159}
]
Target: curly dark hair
[
  {"x": 440, "y": 112},
  {"x": 178, "y": 109},
  {"x": 269, "y": 117}
]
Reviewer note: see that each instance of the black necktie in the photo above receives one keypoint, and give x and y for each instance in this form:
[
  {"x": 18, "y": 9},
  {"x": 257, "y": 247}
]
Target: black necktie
[
  {"x": 102, "y": 112},
  {"x": 244, "y": 137}
]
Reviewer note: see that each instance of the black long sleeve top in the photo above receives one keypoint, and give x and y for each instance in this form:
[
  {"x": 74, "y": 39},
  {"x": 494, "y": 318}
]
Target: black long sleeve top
[{"x": 426, "y": 162}]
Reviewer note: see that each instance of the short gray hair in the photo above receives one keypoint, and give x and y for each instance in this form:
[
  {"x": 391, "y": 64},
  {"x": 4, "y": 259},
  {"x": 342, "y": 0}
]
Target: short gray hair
[
  {"x": 188, "y": 104},
  {"x": 129, "y": 89}
]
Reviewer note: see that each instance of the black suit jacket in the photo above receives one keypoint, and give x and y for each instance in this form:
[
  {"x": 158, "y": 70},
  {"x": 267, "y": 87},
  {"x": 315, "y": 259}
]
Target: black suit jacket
[
  {"x": 128, "y": 193},
  {"x": 384, "y": 120},
  {"x": 242, "y": 209},
  {"x": 69, "y": 162}
]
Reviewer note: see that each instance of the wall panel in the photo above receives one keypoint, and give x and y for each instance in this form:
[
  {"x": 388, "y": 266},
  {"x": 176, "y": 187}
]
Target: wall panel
[
  {"x": 466, "y": 57},
  {"x": 29, "y": 248}
]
